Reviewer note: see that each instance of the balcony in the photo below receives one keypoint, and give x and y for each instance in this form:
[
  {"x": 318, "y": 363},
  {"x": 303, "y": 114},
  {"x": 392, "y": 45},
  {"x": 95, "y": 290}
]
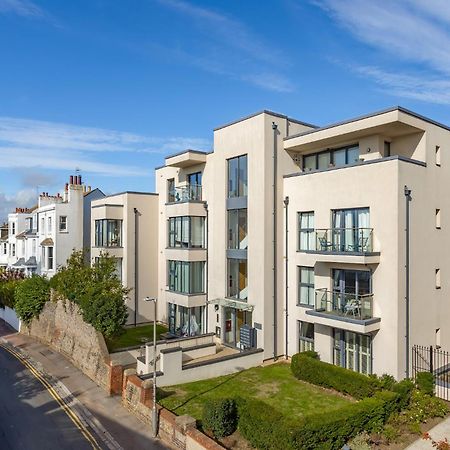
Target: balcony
[
  {"x": 189, "y": 193},
  {"x": 341, "y": 245},
  {"x": 345, "y": 310}
]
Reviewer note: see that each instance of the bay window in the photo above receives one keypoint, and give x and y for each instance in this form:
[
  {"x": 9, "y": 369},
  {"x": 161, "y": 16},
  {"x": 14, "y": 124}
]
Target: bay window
[
  {"x": 108, "y": 233},
  {"x": 186, "y": 277},
  {"x": 186, "y": 232}
]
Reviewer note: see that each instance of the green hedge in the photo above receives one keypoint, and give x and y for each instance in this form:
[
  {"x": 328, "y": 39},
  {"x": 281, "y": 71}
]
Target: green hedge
[
  {"x": 220, "y": 416},
  {"x": 30, "y": 297},
  {"x": 267, "y": 429},
  {"x": 425, "y": 382},
  {"x": 309, "y": 369}
]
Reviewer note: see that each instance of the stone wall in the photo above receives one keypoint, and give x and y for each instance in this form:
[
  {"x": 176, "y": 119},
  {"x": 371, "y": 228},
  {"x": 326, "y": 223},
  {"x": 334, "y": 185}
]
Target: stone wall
[
  {"x": 61, "y": 326},
  {"x": 177, "y": 431}
]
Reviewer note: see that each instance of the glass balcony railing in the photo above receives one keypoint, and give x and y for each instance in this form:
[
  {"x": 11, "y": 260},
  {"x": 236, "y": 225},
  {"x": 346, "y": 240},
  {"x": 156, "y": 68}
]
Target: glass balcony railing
[
  {"x": 352, "y": 240},
  {"x": 189, "y": 193},
  {"x": 344, "y": 304}
]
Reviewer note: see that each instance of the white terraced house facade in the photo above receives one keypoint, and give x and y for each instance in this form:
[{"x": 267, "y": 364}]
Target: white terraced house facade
[
  {"x": 41, "y": 239},
  {"x": 4, "y": 250},
  {"x": 290, "y": 237}
]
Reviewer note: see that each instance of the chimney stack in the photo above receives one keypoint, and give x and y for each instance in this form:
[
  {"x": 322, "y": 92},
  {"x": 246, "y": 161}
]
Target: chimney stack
[{"x": 67, "y": 187}]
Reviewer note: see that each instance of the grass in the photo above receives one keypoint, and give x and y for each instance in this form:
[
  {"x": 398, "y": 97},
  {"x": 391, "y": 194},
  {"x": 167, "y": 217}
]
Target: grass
[
  {"x": 135, "y": 336},
  {"x": 275, "y": 385}
]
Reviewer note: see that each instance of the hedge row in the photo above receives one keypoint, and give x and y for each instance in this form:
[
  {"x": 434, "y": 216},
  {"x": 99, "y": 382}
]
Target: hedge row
[
  {"x": 267, "y": 429},
  {"x": 310, "y": 369}
]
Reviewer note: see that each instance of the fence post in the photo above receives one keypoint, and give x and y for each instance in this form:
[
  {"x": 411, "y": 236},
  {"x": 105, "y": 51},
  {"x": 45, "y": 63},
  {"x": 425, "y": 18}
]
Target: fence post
[{"x": 431, "y": 358}]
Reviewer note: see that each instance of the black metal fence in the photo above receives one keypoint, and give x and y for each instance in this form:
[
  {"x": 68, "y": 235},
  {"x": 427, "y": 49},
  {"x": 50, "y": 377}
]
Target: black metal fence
[{"x": 436, "y": 361}]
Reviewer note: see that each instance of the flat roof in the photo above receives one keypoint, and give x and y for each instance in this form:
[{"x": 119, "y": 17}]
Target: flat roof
[
  {"x": 366, "y": 116},
  {"x": 189, "y": 150},
  {"x": 266, "y": 111},
  {"x": 125, "y": 192}
]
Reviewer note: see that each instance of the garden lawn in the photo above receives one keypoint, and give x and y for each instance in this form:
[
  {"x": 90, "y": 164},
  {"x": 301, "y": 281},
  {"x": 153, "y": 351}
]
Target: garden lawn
[
  {"x": 273, "y": 384},
  {"x": 135, "y": 336}
]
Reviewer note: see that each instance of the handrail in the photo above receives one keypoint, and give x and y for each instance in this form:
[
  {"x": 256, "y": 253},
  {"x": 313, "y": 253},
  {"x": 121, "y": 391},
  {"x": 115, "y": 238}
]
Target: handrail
[
  {"x": 345, "y": 304},
  {"x": 349, "y": 239},
  {"x": 190, "y": 192}
]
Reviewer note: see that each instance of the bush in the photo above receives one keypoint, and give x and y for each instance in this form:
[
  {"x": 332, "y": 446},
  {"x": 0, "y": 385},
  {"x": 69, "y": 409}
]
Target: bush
[
  {"x": 96, "y": 289},
  {"x": 425, "y": 382},
  {"x": 9, "y": 280},
  {"x": 330, "y": 376},
  {"x": 30, "y": 297},
  {"x": 220, "y": 416},
  {"x": 404, "y": 389},
  {"x": 267, "y": 429}
]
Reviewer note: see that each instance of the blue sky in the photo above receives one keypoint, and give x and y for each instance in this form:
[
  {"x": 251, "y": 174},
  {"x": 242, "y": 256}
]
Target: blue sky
[{"x": 111, "y": 87}]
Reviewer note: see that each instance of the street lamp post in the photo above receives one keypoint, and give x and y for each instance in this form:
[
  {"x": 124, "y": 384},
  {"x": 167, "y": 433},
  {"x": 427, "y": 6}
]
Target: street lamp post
[{"x": 154, "y": 410}]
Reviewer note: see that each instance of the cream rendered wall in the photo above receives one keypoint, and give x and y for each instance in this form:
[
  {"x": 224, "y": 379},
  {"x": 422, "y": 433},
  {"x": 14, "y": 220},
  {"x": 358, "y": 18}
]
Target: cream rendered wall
[
  {"x": 374, "y": 185},
  {"x": 121, "y": 207}
]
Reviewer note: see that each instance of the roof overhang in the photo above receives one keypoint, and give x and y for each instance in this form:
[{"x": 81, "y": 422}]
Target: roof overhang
[
  {"x": 186, "y": 159},
  {"x": 48, "y": 242},
  {"x": 392, "y": 123}
]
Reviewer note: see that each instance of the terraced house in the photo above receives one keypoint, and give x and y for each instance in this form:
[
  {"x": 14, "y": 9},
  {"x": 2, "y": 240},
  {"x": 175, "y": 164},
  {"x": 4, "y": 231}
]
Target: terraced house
[{"x": 290, "y": 237}]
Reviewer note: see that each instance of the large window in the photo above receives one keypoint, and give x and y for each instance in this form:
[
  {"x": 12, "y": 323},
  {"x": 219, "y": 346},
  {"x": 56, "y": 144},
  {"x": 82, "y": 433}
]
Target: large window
[
  {"x": 186, "y": 321},
  {"x": 331, "y": 158},
  {"x": 237, "y": 279},
  {"x": 351, "y": 230},
  {"x": 195, "y": 179},
  {"x": 108, "y": 233},
  {"x": 237, "y": 176},
  {"x": 171, "y": 190},
  {"x": 237, "y": 229},
  {"x": 186, "y": 277},
  {"x": 306, "y": 239},
  {"x": 306, "y": 286},
  {"x": 353, "y": 351},
  {"x": 186, "y": 232},
  {"x": 305, "y": 336}
]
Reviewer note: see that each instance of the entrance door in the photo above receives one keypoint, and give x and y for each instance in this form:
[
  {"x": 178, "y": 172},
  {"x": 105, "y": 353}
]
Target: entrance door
[{"x": 234, "y": 319}]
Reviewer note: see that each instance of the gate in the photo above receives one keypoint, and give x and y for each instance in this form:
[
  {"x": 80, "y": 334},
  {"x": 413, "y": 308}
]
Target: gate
[{"x": 436, "y": 361}]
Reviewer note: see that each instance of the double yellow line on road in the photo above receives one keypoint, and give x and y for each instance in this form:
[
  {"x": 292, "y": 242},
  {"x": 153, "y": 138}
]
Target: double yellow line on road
[{"x": 75, "y": 419}]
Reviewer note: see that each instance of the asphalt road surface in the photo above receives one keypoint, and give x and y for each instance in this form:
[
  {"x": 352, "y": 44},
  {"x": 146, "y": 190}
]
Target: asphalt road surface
[{"x": 30, "y": 418}]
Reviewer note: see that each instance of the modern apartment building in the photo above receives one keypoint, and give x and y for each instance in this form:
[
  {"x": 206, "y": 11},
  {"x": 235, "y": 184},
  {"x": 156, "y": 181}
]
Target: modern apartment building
[
  {"x": 298, "y": 232},
  {"x": 125, "y": 226}
]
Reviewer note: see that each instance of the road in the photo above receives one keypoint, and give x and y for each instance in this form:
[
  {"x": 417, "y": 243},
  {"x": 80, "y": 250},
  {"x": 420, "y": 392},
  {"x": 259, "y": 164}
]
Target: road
[{"x": 30, "y": 418}]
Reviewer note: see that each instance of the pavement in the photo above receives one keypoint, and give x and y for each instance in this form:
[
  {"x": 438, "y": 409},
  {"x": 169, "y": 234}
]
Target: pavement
[
  {"x": 439, "y": 432},
  {"x": 27, "y": 404}
]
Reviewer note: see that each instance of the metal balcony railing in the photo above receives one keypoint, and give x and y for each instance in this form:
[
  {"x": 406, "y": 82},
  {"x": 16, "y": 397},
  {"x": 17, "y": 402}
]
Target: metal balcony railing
[
  {"x": 189, "y": 193},
  {"x": 344, "y": 304},
  {"x": 352, "y": 240}
]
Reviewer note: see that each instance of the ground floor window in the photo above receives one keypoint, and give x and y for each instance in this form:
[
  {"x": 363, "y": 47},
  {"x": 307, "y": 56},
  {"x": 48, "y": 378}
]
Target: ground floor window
[
  {"x": 353, "y": 351},
  {"x": 234, "y": 320},
  {"x": 186, "y": 321},
  {"x": 305, "y": 336}
]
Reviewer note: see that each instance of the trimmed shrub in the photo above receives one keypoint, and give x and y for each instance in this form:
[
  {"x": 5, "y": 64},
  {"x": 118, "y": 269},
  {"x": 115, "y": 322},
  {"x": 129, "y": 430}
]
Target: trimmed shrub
[
  {"x": 267, "y": 429},
  {"x": 425, "y": 382},
  {"x": 330, "y": 376},
  {"x": 30, "y": 297},
  {"x": 220, "y": 416},
  {"x": 404, "y": 389}
]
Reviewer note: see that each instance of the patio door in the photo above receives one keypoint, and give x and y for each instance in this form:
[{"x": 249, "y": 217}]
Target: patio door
[
  {"x": 349, "y": 228},
  {"x": 353, "y": 351}
]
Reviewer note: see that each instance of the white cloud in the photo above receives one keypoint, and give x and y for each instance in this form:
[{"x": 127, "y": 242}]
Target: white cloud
[
  {"x": 229, "y": 48},
  {"x": 37, "y": 144},
  {"x": 24, "y": 8},
  {"x": 408, "y": 31},
  {"x": 24, "y": 198}
]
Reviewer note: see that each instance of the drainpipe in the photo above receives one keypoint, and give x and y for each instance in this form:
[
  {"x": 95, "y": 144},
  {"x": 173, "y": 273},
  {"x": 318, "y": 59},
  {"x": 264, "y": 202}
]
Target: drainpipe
[
  {"x": 275, "y": 163},
  {"x": 408, "y": 198},
  {"x": 286, "y": 206},
  {"x": 207, "y": 264},
  {"x": 136, "y": 264}
]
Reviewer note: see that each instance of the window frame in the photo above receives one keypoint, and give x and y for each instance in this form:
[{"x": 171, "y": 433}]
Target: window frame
[
  {"x": 331, "y": 151},
  {"x": 308, "y": 285},
  {"x": 237, "y": 188},
  {"x": 60, "y": 222},
  {"x": 308, "y": 231},
  {"x": 172, "y": 228},
  {"x": 102, "y": 233},
  {"x": 178, "y": 271}
]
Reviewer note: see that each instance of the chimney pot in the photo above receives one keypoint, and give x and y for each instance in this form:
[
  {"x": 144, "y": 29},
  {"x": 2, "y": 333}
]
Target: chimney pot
[
  {"x": 71, "y": 179},
  {"x": 79, "y": 180},
  {"x": 67, "y": 187}
]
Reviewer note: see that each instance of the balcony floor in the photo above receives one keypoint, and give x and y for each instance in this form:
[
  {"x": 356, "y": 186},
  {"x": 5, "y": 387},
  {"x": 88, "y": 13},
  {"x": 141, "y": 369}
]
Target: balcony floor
[{"x": 345, "y": 322}]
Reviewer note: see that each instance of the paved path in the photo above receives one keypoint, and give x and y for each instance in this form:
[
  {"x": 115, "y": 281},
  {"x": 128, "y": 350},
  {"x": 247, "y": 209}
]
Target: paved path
[
  {"x": 105, "y": 416},
  {"x": 440, "y": 431}
]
